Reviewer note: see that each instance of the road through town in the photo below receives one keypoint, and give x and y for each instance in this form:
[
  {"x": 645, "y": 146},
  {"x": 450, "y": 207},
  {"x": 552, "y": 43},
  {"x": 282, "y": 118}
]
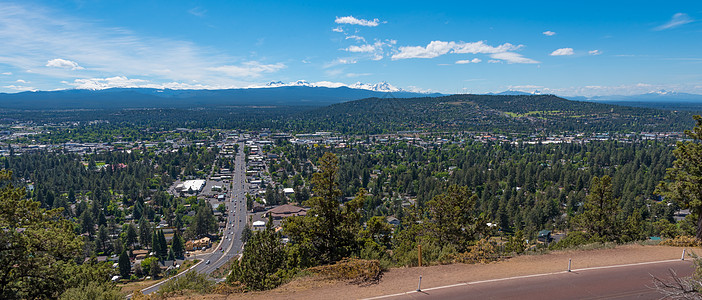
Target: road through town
[{"x": 236, "y": 220}]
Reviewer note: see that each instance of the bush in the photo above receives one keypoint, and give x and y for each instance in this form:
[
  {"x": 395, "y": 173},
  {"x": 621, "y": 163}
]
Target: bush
[
  {"x": 573, "y": 239},
  {"x": 484, "y": 251},
  {"x": 682, "y": 241},
  {"x": 358, "y": 271},
  {"x": 190, "y": 281},
  {"x": 93, "y": 291}
]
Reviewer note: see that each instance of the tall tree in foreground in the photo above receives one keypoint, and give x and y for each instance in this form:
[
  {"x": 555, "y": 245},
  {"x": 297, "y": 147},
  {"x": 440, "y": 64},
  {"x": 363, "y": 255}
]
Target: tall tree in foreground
[
  {"x": 599, "y": 217},
  {"x": 683, "y": 182},
  {"x": 37, "y": 246},
  {"x": 329, "y": 231}
]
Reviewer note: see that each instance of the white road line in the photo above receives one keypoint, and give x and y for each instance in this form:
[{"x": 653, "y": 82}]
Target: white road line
[{"x": 522, "y": 277}]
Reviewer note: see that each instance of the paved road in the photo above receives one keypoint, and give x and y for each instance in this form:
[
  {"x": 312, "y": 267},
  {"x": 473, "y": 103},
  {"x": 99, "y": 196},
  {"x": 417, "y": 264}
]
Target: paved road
[
  {"x": 622, "y": 282},
  {"x": 236, "y": 220}
]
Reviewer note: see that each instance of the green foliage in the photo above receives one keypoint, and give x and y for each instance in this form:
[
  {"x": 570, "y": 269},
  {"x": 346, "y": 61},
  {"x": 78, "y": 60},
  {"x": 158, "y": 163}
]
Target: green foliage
[
  {"x": 262, "y": 265},
  {"x": 454, "y": 220},
  {"x": 124, "y": 265},
  {"x": 190, "y": 281},
  {"x": 154, "y": 269},
  {"x": 599, "y": 216},
  {"x": 38, "y": 246},
  {"x": 146, "y": 263},
  {"x": 683, "y": 182},
  {"x": 93, "y": 291},
  {"x": 572, "y": 240},
  {"x": 329, "y": 231},
  {"x": 516, "y": 243},
  {"x": 177, "y": 245}
]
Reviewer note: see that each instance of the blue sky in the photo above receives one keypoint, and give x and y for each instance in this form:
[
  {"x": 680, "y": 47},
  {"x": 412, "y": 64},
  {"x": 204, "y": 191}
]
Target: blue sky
[{"x": 584, "y": 48}]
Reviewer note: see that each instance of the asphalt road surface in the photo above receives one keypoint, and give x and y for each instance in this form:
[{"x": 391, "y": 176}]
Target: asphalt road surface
[
  {"x": 236, "y": 221},
  {"x": 618, "y": 282}
]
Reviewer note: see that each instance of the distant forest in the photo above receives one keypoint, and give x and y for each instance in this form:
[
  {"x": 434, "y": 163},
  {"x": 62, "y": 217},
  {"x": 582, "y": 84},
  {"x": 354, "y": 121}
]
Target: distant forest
[{"x": 495, "y": 113}]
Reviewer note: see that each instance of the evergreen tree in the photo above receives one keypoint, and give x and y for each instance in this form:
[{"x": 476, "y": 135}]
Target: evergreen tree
[
  {"x": 163, "y": 245},
  {"x": 38, "y": 246},
  {"x": 177, "y": 245},
  {"x": 125, "y": 267},
  {"x": 683, "y": 182},
  {"x": 156, "y": 245},
  {"x": 599, "y": 216}
]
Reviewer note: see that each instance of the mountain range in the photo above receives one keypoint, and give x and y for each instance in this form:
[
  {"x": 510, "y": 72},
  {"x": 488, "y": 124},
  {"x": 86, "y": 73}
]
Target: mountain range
[
  {"x": 277, "y": 93},
  {"x": 300, "y": 93}
]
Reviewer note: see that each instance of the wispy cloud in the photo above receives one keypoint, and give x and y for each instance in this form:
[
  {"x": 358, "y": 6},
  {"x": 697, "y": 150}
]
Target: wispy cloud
[
  {"x": 248, "y": 69},
  {"x": 197, "y": 11},
  {"x": 356, "y": 37},
  {"x": 511, "y": 58},
  {"x": 64, "y": 64},
  {"x": 594, "y": 52},
  {"x": 469, "y": 61},
  {"x": 562, "y": 52},
  {"x": 549, "y": 33},
  {"x": 439, "y": 48},
  {"x": 30, "y": 35},
  {"x": 124, "y": 82},
  {"x": 20, "y": 88},
  {"x": 354, "y": 21},
  {"x": 677, "y": 20},
  {"x": 338, "y": 29}
]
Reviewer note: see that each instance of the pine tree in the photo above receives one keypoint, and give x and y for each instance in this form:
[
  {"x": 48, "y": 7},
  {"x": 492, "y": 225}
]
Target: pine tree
[
  {"x": 177, "y": 245},
  {"x": 125, "y": 266},
  {"x": 599, "y": 217},
  {"x": 163, "y": 245},
  {"x": 683, "y": 182}
]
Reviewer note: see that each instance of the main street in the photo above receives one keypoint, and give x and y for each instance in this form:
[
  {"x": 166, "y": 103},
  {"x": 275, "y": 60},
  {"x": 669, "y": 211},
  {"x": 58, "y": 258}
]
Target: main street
[{"x": 230, "y": 243}]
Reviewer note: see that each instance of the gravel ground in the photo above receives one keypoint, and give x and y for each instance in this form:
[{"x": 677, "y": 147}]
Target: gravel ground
[{"x": 399, "y": 280}]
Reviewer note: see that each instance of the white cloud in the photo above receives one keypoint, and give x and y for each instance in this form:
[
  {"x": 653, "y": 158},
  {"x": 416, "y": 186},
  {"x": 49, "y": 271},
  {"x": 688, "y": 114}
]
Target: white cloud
[
  {"x": 248, "y": 69},
  {"x": 20, "y": 88},
  {"x": 353, "y": 21},
  {"x": 31, "y": 34},
  {"x": 361, "y": 49},
  {"x": 63, "y": 63},
  {"x": 677, "y": 20},
  {"x": 124, "y": 82},
  {"x": 468, "y": 61},
  {"x": 562, "y": 52},
  {"x": 22, "y": 81},
  {"x": 338, "y": 29},
  {"x": 357, "y": 38},
  {"x": 595, "y": 52},
  {"x": 438, "y": 48},
  {"x": 549, "y": 33},
  {"x": 494, "y": 61},
  {"x": 7, "y": 73},
  {"x": 513, "y": 58}
]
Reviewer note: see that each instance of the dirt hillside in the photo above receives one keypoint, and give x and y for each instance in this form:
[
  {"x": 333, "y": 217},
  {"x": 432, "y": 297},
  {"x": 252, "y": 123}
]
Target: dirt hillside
[{"x": 399, "y": 280}]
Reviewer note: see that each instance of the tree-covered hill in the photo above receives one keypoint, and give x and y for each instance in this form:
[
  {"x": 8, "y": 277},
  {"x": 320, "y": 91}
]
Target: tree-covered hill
[{"x": 521, "y": 113}]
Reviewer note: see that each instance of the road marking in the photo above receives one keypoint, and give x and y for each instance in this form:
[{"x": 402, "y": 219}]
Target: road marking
[{"x": 521, "y": 277}]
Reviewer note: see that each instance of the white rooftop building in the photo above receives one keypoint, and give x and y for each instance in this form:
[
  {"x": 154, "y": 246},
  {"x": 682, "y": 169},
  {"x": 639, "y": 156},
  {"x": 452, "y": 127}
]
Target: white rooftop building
[{"x": 191, "y": 185}]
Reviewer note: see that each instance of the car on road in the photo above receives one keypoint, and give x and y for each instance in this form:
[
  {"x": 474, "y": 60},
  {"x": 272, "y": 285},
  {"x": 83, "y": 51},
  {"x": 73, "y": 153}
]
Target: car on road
[{"x": 207, "y": 262}]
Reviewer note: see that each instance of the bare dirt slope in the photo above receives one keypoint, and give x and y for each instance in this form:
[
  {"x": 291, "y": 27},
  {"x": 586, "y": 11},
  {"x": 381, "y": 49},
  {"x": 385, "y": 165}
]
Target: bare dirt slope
[{"x": 399, "y": 280}]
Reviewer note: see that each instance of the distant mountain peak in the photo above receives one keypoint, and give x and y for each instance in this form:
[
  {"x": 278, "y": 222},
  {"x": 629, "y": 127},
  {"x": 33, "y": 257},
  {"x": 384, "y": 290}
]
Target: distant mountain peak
[{"x": 382, "y": 86}]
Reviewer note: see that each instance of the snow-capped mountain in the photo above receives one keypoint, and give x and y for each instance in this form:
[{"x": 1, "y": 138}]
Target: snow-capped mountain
[{"x": 378, "y": 87}]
